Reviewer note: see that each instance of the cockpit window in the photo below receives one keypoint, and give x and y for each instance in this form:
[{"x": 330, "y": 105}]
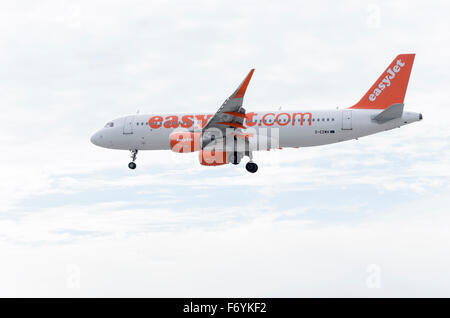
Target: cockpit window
[{"x": 110, "y": 124}]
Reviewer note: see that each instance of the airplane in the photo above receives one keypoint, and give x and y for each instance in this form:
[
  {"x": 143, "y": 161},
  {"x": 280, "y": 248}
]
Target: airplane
[{"x": 231, "y": 133}]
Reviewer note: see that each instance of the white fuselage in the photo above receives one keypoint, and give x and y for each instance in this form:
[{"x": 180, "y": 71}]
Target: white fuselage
[{"x": 318, "y": 127}]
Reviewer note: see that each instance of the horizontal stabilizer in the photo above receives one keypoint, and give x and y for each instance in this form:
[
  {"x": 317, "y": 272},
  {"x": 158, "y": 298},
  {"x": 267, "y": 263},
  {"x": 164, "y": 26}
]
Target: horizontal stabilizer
[{"x": 392, "y": 112}]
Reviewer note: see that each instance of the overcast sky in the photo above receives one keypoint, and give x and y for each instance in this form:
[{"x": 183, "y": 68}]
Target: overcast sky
[{"x": 361, "y": 218}]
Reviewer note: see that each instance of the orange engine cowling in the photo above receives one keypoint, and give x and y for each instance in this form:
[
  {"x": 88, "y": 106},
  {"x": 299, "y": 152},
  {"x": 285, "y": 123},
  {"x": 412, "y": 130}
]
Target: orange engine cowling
[
  {"x": 185, "y": 141},
  {"x": 213, "y": 158}
]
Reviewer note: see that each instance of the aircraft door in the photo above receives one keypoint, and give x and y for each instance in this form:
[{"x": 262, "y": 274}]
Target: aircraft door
[
  {"x": 347, "y": 119},
  {"x": 128, "y": 125}
]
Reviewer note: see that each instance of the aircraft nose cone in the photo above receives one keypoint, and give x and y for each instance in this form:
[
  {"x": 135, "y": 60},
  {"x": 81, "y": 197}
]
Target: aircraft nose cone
[{"x": 95, "y": 138}]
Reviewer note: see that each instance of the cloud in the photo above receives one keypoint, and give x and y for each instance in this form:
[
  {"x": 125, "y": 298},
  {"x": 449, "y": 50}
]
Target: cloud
[{"x": 267, "y": 256}]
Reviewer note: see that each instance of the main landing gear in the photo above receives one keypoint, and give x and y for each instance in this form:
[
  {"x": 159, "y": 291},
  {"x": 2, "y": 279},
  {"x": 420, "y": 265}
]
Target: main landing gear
[
  {"x": 132, "y": 165},
  {"x": 251, "y": 166},
  {"x": 235, "y": 158}
]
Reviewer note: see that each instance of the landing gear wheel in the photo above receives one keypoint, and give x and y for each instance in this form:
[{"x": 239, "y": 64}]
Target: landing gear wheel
[
  {"x": 132, "y": 165},
  {"x": 251, "y": 167}
]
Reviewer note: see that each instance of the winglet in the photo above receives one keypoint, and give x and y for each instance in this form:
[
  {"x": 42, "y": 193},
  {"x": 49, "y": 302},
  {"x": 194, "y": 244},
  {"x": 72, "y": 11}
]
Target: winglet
[{"x": 240, "y": 91}]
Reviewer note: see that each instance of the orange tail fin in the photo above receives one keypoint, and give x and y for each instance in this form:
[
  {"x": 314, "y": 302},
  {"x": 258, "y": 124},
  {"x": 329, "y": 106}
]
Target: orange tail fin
[{"x": 390, "y": 88}]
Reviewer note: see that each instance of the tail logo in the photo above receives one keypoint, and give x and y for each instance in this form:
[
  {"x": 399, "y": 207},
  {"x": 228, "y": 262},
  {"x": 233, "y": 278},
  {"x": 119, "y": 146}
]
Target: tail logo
[{"x": 386, "y": 82}]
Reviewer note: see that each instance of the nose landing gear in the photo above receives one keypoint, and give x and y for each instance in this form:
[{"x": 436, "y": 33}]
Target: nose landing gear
[{"x": 132, "y": 165}]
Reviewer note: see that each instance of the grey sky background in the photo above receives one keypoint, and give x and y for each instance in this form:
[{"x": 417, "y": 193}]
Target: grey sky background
[{"x": 360, "y": 218}]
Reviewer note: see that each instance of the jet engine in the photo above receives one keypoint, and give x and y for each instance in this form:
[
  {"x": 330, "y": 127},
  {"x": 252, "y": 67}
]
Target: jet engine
[
  {"x": 185, "y": 141},
  {"x": 213, "y": 158}
]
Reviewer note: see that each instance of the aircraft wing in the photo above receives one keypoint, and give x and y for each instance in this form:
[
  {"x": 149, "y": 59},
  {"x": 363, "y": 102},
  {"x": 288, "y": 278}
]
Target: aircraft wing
[{"x": 231, "y": 114}]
